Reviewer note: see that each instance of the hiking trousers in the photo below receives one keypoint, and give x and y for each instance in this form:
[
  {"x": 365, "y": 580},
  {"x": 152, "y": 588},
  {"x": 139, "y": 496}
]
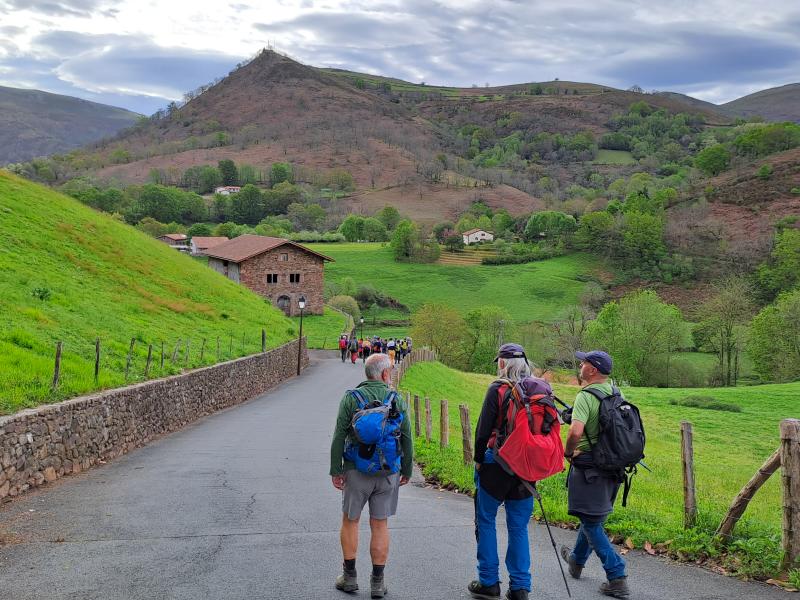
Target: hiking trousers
[
  {"x": 592, "y": 536},
  {"x": 518, "y": 554}
]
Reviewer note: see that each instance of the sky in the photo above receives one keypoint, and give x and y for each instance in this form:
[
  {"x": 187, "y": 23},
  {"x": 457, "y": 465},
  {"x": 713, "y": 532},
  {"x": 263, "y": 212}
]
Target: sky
[{"x": 142, "y": 54}]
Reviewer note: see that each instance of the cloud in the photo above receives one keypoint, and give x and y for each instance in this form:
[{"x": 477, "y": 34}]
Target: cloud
[{"x": 59, "y": 8}]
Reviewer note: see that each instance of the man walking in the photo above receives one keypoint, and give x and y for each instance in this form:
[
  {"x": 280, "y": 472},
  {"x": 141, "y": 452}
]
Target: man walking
[
  {"x": 380, "y": 490},
  {"x": 591, "y": 492},
  {"x": 493, "y": 487}
]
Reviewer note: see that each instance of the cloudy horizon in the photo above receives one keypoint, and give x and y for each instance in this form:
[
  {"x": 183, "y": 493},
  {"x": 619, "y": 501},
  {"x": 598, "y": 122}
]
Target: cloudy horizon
[{"x": 142, "y": 55}]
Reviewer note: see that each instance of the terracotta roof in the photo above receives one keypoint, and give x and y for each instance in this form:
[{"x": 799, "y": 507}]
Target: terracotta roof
[
  {"x": 208, "y": 241},
  {"x": 471, "y": 231},
  {"x": 178, "y": 237},
  {"x": 247, "y": 246}
]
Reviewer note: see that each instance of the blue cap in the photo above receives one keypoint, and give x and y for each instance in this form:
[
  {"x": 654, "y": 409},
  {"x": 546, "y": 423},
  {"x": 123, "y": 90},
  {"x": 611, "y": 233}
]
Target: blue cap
[
  {"x": 598, "y": 359},
  {"x": 510, "y": 351}
]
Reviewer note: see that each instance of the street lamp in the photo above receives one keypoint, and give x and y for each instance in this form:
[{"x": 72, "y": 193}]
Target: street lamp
[
  {"x": 301, "y": 302},
  {"x": 361, "y": 320},
  {"x": 361, "y": 341}
]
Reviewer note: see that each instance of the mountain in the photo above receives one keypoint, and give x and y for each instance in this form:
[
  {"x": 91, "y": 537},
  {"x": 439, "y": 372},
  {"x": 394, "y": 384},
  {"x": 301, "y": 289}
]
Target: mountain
[
  {"x": 775, "y": 104},
  {"x": 35, "y": 123},
  {"x": 73, "y": 274}
]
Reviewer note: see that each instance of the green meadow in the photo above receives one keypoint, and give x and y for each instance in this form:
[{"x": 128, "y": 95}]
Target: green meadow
[
  {"x": 729, "y": 447},
  {"x": 74, "y": 275}
]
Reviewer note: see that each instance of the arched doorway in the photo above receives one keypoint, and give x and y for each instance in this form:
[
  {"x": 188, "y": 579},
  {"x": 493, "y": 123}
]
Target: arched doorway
[{"x": 285, "y": 304}]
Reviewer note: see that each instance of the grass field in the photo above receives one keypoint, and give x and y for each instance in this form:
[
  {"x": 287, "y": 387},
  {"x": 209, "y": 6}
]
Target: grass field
[
  {"x": 539, "y": 291},
  {"x": 614, "y": 157},
  {"x": 729, "y": 448},
  {"x": 72, "y": 274}
]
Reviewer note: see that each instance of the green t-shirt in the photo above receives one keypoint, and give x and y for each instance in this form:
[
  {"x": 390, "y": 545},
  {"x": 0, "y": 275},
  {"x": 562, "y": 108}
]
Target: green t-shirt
[{"x": 587, "y": 410}]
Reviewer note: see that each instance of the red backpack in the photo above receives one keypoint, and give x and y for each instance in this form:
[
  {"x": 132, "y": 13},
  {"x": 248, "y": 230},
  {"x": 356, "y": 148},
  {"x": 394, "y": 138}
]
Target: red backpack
[
  {"x": 342, "y": 344},
  {"x": 527, "y": 442}
]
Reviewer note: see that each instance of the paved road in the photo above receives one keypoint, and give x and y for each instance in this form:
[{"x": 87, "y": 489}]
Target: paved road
[{"x": 239, "y": 506}]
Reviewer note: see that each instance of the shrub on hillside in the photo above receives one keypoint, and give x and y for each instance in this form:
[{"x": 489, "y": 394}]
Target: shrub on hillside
[
  {"x": 764, "y": 171},
  {"x": 707, "y": 402},
  {"x": 346, "y": 304}
]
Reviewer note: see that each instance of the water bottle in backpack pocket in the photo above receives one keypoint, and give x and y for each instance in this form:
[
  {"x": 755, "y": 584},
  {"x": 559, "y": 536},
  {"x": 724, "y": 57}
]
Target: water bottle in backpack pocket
[{"x": 374, "y": 445}]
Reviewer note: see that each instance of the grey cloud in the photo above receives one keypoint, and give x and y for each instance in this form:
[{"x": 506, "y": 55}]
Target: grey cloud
[{"x": 79, "y": 8}]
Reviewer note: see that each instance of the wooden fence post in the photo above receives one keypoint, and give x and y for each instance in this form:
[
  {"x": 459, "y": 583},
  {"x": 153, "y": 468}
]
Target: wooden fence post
[
  {"x": 416, "y": 416},
  {"x": 57, "y": 367},
  {"x": 96, "y": 360},
  {"x": 149, "y": 359},
  {"x": 162, "y": 355},
  {"x": 202, "y": 350},
  {"x": 687, "y": 461},
  {"x": 175, "y": 352},
  {"x": 218, "y": 349},
  {"x": 739, "y": 505},
  {"x": 263, "y": 340},
  {"x": 130, "y": 357},
  {"x": 243, "y": 342},
  {"x": 466, "y": 433},
  {"x": 428, "y": 419},
  {"x": 230, "y": 348},
  {"x": 188, "y": 347},
  {"x": 790, "y": 478},
  {"x": 444, "y": 425}
]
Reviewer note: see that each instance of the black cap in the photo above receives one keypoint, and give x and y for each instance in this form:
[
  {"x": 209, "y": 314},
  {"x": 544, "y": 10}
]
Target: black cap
[
  {"x": 597, "y": 358},
  {"x": 510, "y": 351}
]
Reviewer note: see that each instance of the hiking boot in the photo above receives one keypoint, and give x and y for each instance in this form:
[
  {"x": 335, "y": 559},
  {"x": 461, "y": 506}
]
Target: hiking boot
[
  {"x": 347, "y": 581},
  {"x": 616, "y": 588},
  {"x": 484, "y": 592},
  {"x": 574, "y": 568},
  {"x": 377, "y": 587},
  {"x": 517, "y": 595}
]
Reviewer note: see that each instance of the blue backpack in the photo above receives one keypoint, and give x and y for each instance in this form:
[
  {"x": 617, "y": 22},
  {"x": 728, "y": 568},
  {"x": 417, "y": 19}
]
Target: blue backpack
[{"x": 376, "y": 430}]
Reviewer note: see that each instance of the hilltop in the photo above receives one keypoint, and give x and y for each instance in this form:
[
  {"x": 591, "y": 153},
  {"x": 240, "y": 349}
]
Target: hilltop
[
  {"x": 35, "y": 123},
  {"x": 72, "y": 274},
  {"x": 774, "y": 104}
]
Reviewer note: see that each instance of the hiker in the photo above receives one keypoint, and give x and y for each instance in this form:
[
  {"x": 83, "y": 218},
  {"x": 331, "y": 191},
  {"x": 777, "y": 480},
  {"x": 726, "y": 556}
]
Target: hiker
[
  {"x": 373, "y": 478},
  {"x": 343, "y": 346},
  {"x": 591, "y": 492},
  {"x": 391, "y": 351},
  {"x": 366, "y": 347},
  {"x": 403, "y": 349},
  {"x": 353, "y": 347},
  {"x": 494, "y": 486}
]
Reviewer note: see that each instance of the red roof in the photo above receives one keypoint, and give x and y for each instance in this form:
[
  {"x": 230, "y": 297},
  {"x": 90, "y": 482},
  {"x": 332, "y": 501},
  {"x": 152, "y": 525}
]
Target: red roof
[
  {"x": 208, "y": 241},
  {"x": 247, "y": 246},
  {"x": 177, "y": 237},
  {"x": 471, "y": 231}
]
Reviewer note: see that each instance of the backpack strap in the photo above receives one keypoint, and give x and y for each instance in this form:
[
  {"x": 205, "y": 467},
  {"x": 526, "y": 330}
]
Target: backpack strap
[
  {"x": 391, "y": 398},
  {"x": 361, "y": 400}
]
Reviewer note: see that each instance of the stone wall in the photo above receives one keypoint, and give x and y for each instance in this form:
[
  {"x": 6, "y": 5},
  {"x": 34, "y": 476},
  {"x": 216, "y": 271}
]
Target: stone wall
[{"x": 42, "y": 444}]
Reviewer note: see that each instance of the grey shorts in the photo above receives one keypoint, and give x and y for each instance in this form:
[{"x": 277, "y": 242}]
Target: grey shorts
[{"x": 381, "y": 491}]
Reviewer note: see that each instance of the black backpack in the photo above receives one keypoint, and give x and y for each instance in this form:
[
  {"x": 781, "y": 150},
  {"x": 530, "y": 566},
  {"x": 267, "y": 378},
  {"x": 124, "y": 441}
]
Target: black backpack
[{"x": 620, "y": 445}]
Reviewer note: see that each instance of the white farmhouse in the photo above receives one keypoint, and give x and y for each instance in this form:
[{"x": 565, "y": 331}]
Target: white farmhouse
[
  {"x": 227, "y": 190},
  {"x": 473, "y": 236}
]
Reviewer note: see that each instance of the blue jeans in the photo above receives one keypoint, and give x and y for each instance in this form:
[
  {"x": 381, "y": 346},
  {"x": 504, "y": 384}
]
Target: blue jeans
[
  {"x": 518, "y": 555},
  {"x": 592, "y": 536}
]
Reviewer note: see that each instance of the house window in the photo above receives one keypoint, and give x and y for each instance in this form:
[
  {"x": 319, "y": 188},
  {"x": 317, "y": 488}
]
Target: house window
[
  {"x": 294, "y": 277},
  {"x": 284, "y": 257},
  {"x": 272, "y": 278}
]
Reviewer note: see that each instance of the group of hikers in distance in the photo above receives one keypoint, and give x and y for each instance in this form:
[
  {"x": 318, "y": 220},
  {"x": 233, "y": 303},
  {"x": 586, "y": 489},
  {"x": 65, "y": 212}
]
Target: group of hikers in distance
[
  {"x": 517, "y": 443},
  {"x": 361, "y": 348}
]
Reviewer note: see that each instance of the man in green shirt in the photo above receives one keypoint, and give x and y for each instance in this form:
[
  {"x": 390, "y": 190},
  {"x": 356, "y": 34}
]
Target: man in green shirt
[
  {"x": 591, "y": 492},
  {"x": 358, "y": 489}
]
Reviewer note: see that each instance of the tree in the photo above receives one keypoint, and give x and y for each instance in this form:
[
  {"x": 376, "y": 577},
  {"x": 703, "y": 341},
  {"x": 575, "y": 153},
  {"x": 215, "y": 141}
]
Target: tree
[
  {"x": 404, "y": 238},
  {"x": 486, "y": 328},
  {"x": 549, "y": 224},
  {"x": 210, "y": 178},
  {"x": 597, "y": 232},
  {"x": 774, "y": 344},
  {"x": 280, "y": 172},
  {"x": 639, "y": 332},
  {"x": 352, "y": 228},
  {"x": 442, "y": 329},
  {"x": 199, "y": 230},
  {"x": 643, "y": 241},
  {"x": 278, "y": 199},
  {"x": 305, "y": 218},
  {"x": 346, "y": 304},
  {"x": 227, "y": 169},
  {"x": 569, "y": 335},
  {"x": 374, "y": 230},
  {"x": 782, "y": 271},
  {"x": 724, "y": 317},
  {"x": 247, "y": 206},
  {"x": 454, "y": 243},
  {"x": 440, "y": 229},
  {"x": 713, "y": 160},
  {"x": 389, "y": 216}
]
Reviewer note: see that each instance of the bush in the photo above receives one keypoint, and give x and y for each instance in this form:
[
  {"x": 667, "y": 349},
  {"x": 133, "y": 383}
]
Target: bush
[
  {"x": 42, "y": 293},
  {"x": 795, "y": 191},
  {"x": 707, "y": 402},
  {"x": 531, "y": 254},
  {"x": 346, "y": 304},
  {"x": 764, "y": 171}
]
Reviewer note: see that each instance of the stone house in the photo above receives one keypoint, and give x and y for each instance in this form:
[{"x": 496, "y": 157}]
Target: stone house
[
  {"x": 201, "y": 244},
  {"x": 473, "y": 236},
  {"x": 179, "y": 241},
  {"x": 277, "y": 269}
]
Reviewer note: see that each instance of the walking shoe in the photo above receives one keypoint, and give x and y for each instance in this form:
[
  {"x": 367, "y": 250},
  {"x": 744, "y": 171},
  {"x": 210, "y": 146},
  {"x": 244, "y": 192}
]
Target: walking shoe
[
  {"x": 574, "y": 568},
  {"x": 347, "y": 581},
  {"x": 377, "y": 587},
  {"x": 484, "y": 592},
  {"x": 517, "y": 595},
  {"x": 616, "y": 588}
]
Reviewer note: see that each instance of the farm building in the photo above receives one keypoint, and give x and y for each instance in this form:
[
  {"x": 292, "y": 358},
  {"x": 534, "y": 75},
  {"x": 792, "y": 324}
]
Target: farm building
[
  {"x": 473, "y": 236},
  {"x": 200, "y": 244},
  {"x": 179, "y": 241},
  {"x": 277, "y": 269},
  {"x": 227, "y": 190}
]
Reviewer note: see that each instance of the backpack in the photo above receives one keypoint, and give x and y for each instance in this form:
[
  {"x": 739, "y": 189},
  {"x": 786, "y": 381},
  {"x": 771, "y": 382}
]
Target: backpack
[
  {"x": 528, "y": 436},
  {"x": 375, "y": 427},
  {"x": 353, "y": 345},
  {"x": 620, "y": 445},
  {"x": 342, "y": 343}
]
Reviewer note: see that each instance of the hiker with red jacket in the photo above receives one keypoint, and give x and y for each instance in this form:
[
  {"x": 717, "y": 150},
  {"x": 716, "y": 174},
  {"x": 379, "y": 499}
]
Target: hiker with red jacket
[
  {"x": 353, "y": 347},
  {"x": 343, "y": 346},
  {"x": 591, "y": 491},
  {"x": 494, "y": 486}
]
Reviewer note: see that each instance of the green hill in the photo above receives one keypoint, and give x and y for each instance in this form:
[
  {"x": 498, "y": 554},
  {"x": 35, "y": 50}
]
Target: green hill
[{"x": 71, "y": 274}]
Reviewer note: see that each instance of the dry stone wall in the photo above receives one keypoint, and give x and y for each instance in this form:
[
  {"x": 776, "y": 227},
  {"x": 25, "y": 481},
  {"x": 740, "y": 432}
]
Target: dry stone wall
[{"x": 40, "y": 445}]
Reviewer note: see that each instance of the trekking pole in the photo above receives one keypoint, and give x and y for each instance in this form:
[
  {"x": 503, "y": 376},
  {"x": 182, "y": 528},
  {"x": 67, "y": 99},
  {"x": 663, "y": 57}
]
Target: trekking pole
[{"x": 532, "y": 489}]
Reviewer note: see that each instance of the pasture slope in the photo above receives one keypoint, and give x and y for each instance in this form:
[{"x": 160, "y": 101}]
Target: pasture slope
[
  {"x": 729, "y": 448},
  {"x": 72, "y": 274}
]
